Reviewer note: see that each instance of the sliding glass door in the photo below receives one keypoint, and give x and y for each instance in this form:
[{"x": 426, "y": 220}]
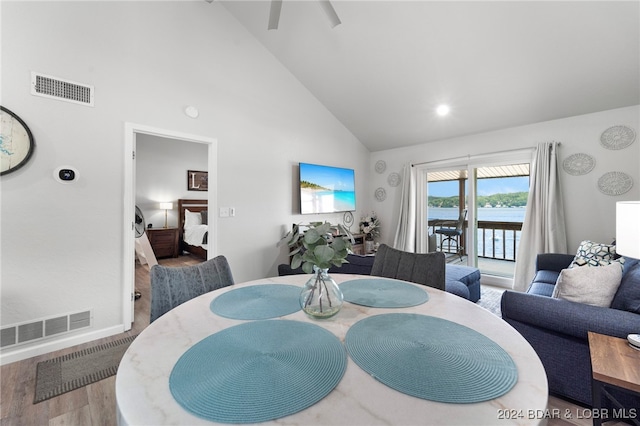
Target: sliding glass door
[
  {"x": 501, "y": 202},
  {"x": 473, "y": 212}
]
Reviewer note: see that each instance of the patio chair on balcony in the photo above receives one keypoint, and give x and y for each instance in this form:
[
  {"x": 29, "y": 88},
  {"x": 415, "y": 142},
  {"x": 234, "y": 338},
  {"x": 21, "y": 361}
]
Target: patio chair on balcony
[{"x": 451, "y": 232}]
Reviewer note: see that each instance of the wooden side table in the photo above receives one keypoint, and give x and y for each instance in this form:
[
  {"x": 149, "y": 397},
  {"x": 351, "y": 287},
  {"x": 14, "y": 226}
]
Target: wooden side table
[
  {"x": 613, "y": 364},
  {"x": 164, "y": 241}
]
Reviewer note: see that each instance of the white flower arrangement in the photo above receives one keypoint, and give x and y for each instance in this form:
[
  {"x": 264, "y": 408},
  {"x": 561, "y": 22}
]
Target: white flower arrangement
[{"x": 370, "y": 226}]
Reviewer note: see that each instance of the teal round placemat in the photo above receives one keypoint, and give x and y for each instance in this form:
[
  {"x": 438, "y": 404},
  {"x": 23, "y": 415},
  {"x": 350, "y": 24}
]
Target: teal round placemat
[
  {"x": 383, "y": 293},
  {"x": 261, "y": 301},
  {"x": 431, "y": 358},
  {"x": 258, "y": 371}
]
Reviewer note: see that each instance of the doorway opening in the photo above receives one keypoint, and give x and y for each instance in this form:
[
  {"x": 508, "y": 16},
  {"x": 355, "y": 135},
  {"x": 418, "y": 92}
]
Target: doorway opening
[{"x": 132, "y": 131}]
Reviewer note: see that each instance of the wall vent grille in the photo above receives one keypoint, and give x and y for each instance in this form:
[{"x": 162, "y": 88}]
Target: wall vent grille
[
  {"x": 44, "y": 327},
  {"x": 64, "y": 90}
]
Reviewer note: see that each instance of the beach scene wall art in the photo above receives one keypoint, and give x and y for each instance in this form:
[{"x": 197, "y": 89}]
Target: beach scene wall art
[{"x": 326, "y": 189}]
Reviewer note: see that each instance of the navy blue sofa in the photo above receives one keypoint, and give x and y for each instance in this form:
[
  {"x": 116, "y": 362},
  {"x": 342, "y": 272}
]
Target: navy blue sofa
[
  {"x": 463, "y": 281},
  {"x": 557, "y": 329}
]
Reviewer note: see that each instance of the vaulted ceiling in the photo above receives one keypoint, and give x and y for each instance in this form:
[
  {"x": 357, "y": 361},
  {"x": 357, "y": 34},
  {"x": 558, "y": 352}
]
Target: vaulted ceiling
[{"x": 497, "y": 64}]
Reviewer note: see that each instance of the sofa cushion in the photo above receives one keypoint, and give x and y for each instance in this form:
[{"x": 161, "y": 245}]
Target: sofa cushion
[
  {"x": 541, "y": 289},
  {"x": 595, "y": 254},
  {"x": 627, "y": 297},
  {"x": 467, "y": 275},
  {"x": 547, "y": 277},
  {"x": 457, "y": 288},
  {"x": 589, "y": 285},
  {"x": 553, "y": 261}
]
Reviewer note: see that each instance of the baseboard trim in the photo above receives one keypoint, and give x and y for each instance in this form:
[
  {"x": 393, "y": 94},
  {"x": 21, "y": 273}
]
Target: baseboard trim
[
  {"x": 23, "y": 352},
  {"x": 496, "y": 281}
]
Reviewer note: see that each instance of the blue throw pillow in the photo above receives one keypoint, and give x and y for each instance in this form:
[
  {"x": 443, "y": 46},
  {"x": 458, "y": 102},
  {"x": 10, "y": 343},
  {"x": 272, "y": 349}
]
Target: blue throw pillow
[{"x": 627, "y": 297}]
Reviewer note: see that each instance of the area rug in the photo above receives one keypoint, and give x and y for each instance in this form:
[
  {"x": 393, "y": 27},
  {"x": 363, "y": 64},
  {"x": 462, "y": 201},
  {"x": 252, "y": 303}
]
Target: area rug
[
  {"x": 69, "y": 372},
  {"x": 490, "y": 299}
]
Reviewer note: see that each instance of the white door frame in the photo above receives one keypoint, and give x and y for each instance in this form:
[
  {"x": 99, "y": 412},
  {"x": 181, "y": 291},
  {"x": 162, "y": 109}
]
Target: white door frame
[{"x": 130, "y": 132}]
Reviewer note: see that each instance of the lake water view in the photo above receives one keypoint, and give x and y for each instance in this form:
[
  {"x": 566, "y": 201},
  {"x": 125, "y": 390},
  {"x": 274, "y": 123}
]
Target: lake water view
[{"x": 495, "y": 214}]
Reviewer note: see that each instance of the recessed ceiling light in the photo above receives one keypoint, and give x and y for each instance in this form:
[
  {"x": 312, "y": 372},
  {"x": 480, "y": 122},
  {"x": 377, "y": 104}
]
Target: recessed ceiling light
[
  {"x": 443, "y": 110},
  {"x": 192, "y": 112}
]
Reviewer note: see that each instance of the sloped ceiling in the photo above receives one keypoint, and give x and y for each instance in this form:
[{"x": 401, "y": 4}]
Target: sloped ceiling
[{"x": 498, "y": 64}]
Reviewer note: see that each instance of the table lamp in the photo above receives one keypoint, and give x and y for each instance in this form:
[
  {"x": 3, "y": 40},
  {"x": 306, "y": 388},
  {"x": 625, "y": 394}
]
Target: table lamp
[
  {"x": 628, "y": 240},
  {"x": 166, "y": 207}
]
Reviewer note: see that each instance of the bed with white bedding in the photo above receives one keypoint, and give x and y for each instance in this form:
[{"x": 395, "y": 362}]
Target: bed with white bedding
[{"x": 194, "y": 226}]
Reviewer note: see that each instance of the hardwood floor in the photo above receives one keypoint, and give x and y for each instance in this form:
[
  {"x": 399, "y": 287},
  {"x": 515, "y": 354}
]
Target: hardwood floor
[
  {"x": 95, "y": 404},
  {"x": 91, "y": 405}
]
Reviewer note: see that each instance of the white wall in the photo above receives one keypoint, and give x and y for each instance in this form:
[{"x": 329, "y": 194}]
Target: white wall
[
  {"x": 589, "y": 213},
  {"x": 62, "y": 244},
  {"x": 161, "y": 175}
]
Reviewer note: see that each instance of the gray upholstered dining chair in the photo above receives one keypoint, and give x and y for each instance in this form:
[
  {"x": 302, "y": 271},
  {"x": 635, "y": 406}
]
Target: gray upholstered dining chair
[
  {"x": 172, "y": 286},
  {"x": 420, "y": 268}
]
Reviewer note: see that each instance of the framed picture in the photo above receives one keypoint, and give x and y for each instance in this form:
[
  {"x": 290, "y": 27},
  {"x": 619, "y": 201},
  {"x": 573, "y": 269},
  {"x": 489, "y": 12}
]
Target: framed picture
[
  {"x": 197, "y": 180},
  {"x": 16, "y": 142}
]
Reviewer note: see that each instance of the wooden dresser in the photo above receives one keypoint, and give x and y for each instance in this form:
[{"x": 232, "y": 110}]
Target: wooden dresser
[{"x": 164, "y": 241}]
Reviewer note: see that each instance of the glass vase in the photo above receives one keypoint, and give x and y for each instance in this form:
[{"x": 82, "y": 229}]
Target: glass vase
[
  {"x": 369, "y": 246},
  {"x": 321, "y": 297}
]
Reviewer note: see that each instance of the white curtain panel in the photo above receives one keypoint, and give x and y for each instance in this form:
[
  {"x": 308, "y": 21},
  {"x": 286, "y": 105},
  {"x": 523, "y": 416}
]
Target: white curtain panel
[
  {"x": 405, "y": 238},
  {"x": 543, "y": 230}
]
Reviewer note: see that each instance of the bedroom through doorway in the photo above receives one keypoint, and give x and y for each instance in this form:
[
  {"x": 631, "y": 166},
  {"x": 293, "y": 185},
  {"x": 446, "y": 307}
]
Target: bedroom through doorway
[{"x": 159, "y": 166}]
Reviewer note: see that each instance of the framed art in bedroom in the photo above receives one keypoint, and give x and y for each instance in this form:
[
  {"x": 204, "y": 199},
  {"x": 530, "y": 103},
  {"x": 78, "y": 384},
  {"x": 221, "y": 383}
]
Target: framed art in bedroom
[{"x": 197, "y": 180}]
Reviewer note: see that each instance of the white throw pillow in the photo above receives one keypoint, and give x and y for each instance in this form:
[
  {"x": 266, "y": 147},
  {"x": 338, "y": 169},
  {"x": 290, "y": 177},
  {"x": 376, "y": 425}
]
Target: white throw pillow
[
  {"x": 192, "y": 218},
  {"x": 589, "y": 285}
]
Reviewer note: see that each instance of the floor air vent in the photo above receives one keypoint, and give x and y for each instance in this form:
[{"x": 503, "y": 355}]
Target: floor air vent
[
  {"x": 45, "y": 327},
  {"x": 64, "y": 90}
]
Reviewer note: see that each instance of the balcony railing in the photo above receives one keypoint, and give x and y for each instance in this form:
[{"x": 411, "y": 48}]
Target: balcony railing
[
  {"x": 498, "y": 240},
  {"x": 495, "y": 240}
]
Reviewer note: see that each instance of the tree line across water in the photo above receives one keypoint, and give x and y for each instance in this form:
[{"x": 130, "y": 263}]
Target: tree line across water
[{"x": 512, "y": 199}]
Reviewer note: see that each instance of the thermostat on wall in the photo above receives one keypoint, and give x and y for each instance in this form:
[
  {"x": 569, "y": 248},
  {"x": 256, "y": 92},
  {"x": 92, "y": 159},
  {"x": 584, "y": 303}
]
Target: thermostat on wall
[{"x": 65, "y": 174}]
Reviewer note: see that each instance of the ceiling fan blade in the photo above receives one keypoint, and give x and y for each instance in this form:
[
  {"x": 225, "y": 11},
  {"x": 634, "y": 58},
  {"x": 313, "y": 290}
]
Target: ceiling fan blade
[
  {"x": 274, "y": 14},
  {"x": 330, "y": 11}
]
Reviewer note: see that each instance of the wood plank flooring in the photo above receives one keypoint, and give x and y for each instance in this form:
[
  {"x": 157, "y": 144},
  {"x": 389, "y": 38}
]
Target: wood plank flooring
[
  {"x": 91, "y": 405},
  {"x": 95, "y": 404}
]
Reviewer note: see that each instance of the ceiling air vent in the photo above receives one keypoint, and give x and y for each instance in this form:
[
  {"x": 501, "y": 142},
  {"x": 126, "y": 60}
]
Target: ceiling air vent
[{"x": 64, "y": 90}]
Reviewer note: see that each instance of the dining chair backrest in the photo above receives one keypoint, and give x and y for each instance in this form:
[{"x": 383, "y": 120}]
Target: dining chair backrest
[
  {"x": 461, "y": 219},
  {"x": 420, "y": 268},
  {"x": 451, "y": 227},
  {"x": 172, "y": 286}
]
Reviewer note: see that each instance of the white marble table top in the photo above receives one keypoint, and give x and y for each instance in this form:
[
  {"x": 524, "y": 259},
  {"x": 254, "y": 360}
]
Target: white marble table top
[{"x": 142, "y": 383}]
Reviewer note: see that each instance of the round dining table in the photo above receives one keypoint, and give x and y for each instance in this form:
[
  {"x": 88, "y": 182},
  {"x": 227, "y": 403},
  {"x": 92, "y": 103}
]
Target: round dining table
[{"x": 144, "y": 395}]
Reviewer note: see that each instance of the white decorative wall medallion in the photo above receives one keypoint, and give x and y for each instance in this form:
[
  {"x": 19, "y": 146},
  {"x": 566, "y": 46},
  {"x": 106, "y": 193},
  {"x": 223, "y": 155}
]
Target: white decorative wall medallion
[
  {"x": 381, "y": 166},
  {"x": 393, "y": 179},
  {"x": 380, "y": 194},
  {"x": 617, "y": 137},
  {"x": 615, "y": 183},
  {"x": 578, "y": 164}
]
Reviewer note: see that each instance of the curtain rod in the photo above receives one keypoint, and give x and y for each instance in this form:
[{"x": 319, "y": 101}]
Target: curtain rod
[{"x": 478, "y": 156}]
